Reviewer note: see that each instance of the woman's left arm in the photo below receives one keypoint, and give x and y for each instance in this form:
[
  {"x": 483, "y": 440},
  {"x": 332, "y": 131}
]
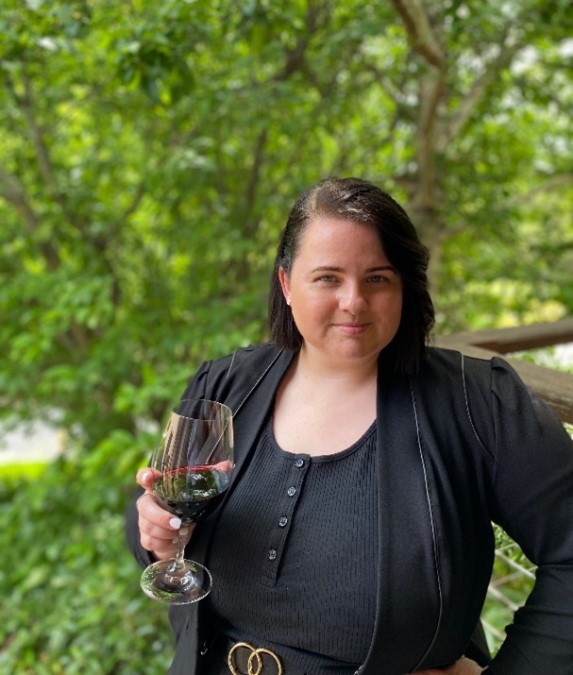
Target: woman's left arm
[{"x": 532, "y": 499}]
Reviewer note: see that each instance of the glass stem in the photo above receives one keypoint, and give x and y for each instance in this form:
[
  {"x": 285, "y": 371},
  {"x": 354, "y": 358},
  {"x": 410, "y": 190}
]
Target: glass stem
[{"x": 181, "y": 542}]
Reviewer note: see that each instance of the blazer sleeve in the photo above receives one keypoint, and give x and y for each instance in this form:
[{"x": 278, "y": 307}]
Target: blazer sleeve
[{"x": 532, "y": 499}]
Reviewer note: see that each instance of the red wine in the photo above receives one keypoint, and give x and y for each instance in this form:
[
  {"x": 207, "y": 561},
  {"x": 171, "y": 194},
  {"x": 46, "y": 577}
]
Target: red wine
[{"x": 189, "y": 491}]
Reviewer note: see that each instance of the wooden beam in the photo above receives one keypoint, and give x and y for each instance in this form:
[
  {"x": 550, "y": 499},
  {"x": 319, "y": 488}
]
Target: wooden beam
[
  {"x": 505, "y": 340},
  {"x": 555, "y": 387}
]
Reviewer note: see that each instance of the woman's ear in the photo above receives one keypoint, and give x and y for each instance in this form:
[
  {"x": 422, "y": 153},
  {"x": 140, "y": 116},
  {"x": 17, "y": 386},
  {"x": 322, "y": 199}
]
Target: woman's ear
[{"x": 285, "y": 285}]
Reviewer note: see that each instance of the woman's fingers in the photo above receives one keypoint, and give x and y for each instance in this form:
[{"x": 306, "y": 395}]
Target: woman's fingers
[
  {"x": 146, "y": 477},
  {"x": 158, "y": 529}
]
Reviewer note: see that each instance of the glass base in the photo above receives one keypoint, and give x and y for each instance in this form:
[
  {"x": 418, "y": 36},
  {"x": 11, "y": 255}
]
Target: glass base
[{"x": 176, "y": 583}]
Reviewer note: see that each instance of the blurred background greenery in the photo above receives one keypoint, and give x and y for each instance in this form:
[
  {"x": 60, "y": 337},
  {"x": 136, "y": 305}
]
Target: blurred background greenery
[{"x": 149, "y": 154}]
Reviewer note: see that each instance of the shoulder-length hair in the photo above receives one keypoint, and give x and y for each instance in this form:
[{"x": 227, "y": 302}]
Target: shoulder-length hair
[{"x": 362, "y": 202}]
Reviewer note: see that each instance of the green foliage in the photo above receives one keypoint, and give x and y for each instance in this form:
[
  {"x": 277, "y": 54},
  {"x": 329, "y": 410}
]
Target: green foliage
[
  {"x": 147, "y": 168},
  {"x": 149, "y": 153},
  {"x": 71, "y": 597}
]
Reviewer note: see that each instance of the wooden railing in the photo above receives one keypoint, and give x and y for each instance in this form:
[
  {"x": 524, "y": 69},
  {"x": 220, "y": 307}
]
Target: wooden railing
[{"x": 555, "y": 387}]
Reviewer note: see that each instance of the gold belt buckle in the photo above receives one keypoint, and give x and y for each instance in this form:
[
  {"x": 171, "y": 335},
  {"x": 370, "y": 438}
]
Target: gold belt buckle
[{"x": 255, "y": 664}]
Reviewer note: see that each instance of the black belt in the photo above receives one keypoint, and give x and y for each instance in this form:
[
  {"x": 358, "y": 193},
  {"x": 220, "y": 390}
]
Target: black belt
[{"x": 227, "y": 656}]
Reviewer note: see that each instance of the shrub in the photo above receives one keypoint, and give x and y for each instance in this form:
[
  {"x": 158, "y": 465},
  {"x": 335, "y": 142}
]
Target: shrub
[{"x": 70, "y": 588}]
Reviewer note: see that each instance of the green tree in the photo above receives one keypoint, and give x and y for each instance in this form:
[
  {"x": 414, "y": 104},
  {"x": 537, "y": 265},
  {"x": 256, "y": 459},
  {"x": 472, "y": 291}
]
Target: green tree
[{"x": 149, "y": 153}]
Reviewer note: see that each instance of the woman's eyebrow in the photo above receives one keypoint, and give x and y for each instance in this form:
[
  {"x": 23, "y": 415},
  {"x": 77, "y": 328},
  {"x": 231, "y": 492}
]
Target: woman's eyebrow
[
  {"x": 383, "y": 268},
  {"x": 335, "y": 268}
]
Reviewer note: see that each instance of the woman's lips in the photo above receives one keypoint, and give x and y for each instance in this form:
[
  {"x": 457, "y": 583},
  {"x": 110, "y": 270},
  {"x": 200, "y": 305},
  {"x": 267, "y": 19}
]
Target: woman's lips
[{"x": 352, "y": 328}]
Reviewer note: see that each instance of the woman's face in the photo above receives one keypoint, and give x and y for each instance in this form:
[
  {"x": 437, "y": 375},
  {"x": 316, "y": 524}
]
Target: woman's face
[{"x": 345, "y": 296}]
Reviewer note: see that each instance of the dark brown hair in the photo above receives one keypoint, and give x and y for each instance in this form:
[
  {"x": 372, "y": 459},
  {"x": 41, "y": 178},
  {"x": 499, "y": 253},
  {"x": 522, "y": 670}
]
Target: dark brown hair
[{"x": 362, "y": 202}]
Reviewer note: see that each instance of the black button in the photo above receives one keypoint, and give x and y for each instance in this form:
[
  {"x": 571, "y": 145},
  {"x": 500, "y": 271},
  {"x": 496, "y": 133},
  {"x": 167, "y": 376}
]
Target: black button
[
  {"x": 291, "y": 492},
  {"x": 272, "y": 554},
  {"x": 299, "y": 463},
  {"x": 283, "y": 521}
]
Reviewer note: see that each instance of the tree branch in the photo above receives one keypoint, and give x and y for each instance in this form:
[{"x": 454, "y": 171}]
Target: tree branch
[
  {"x": 455, "y": 124},
  {"x": 45, "y": 166},
  {"x": 255, "y": 173},
  {"x": 13, "y": 192},
  {"x": 432, "y": 88},
  {"x": 295, "y": 57},
  {"x": 556, "y": 182},
  {"x": 431, "y": 92},
  {"x": 420, "y": 32},
  {"x": 25, "y": 102}
]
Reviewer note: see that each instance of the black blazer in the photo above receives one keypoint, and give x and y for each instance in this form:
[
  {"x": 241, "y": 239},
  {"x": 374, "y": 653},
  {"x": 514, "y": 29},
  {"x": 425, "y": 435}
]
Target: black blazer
[{"x": 461, "y": 444}]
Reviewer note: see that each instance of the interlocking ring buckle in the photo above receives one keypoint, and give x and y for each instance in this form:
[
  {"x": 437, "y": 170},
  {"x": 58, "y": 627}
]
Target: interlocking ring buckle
[{"x": 255, "y": 665}]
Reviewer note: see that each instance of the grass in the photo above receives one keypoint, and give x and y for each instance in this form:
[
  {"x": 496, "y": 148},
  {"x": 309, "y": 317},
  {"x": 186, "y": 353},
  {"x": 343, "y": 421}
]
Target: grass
[{"x": 25, "y": 470}]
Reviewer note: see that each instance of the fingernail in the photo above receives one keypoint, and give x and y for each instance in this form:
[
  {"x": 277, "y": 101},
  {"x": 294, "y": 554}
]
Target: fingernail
[
  {"x": 175, "y": 523},
  {"x": 146, "y": 476},
  {"x": 183, "y": 532}
]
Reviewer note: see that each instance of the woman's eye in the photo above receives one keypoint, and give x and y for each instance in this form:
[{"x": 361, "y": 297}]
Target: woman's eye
[{"x": 377, "y": 279}]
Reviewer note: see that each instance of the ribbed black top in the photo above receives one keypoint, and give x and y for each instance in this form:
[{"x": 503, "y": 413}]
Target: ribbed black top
[{"x": 294, "y": 554}]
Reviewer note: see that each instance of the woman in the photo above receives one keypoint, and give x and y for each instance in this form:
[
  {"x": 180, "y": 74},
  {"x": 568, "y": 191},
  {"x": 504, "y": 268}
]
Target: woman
[{"x": 356, "y": 536}]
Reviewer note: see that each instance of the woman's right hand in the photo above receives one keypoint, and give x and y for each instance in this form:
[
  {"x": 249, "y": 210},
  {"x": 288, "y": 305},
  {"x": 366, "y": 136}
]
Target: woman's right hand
[{"x": 159, "y": 530}]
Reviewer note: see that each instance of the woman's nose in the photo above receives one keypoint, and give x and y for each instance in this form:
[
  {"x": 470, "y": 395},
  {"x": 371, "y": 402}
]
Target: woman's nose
[{"x": 352, "y": 298}]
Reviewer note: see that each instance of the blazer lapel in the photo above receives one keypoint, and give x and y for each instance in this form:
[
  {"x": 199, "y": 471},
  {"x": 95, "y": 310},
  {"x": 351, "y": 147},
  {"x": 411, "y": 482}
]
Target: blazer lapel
[
  {"x": 409, "y": 594},
  {"x": 252, "y": 408}
]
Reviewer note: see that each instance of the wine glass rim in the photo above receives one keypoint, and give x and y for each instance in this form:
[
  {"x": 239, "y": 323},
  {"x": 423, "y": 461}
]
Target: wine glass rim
[{"x": 225, "y": 408}]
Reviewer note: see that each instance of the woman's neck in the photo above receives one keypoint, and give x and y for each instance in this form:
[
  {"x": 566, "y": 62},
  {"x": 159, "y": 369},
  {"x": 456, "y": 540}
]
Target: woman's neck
[
  {"x": 323, "y": 407},
  {"x": 313, "y": 366}
]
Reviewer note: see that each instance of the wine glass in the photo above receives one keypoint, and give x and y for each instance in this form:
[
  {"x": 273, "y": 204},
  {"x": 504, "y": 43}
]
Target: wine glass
[{"x": 192, "y": 470}]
